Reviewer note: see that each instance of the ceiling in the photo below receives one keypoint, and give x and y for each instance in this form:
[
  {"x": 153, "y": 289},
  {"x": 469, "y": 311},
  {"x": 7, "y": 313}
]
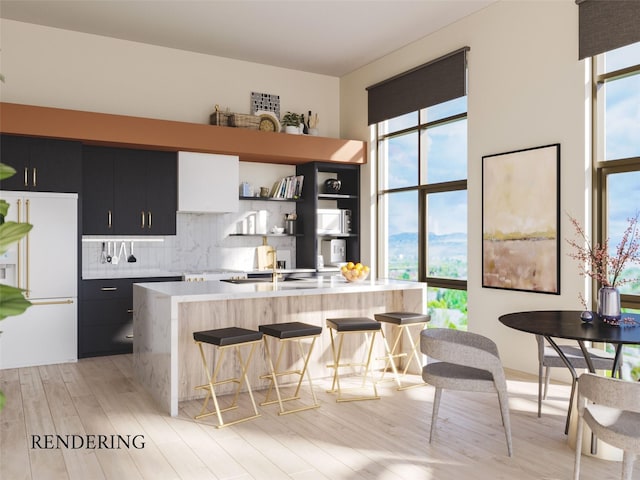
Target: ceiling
[{"x": 319, "y": 36}]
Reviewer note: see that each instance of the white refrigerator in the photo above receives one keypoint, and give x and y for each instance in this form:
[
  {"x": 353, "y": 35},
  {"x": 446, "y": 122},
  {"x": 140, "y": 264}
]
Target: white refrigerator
[{"x": 45, "y": 264}]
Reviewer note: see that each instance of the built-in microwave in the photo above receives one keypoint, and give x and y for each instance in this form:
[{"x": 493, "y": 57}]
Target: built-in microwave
[{"x": 333, "y": 221}]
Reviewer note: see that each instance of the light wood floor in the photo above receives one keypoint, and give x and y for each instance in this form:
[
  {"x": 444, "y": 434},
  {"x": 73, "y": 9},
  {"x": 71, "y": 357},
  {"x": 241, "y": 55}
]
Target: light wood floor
[{"x": 381, "y": 439}]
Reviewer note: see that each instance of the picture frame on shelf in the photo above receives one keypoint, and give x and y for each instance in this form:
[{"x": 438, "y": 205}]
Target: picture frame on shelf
[{"x": 521, "y": 220}]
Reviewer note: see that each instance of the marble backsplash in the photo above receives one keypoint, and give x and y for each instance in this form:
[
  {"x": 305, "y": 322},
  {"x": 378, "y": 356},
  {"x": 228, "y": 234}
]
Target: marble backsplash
[{"x": 203, "y": 241}]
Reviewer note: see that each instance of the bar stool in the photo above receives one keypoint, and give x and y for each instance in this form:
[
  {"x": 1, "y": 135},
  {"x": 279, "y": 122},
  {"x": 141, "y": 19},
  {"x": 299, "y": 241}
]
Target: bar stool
[
  {"x": 402, "y": 321},
  {"x": 339, "y": 327},
  {"x": 285, "y": 333},
  {"x": 224, "y": 339}
]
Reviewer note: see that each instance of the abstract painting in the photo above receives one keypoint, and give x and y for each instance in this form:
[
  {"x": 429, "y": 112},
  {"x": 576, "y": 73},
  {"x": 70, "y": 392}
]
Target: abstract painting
[{"x": 521, "y": 220}]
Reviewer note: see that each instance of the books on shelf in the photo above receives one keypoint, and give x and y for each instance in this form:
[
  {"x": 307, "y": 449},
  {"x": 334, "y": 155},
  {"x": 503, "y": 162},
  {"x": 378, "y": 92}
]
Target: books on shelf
[{"x": 288, "y": 187}]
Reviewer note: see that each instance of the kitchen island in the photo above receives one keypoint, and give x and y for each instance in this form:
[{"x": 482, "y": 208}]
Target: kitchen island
[{"x": 167, "y": 362}]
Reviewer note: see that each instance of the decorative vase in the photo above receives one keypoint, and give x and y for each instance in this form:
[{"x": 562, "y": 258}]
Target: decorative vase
[
  {"x": 609, "y": 303},
  {"x": 292, "y": 130}
]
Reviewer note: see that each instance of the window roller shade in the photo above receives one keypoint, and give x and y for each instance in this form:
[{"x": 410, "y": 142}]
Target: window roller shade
[
  {"x": 606, "y": 25},
  {"x": 435, "y": 82}
]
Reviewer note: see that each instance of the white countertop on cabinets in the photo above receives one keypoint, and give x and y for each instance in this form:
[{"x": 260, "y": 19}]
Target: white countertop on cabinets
[
  {"x": 128, "y": 273},
  {"x": 220, "y": 290}
]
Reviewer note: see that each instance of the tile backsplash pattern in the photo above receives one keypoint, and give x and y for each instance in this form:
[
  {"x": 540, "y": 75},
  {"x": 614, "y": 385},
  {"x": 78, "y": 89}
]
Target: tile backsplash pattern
[{"x": 203, "y": 241}]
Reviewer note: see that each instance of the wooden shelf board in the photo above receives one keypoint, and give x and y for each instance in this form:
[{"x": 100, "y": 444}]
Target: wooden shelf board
[{"x": 137, "y": 132}]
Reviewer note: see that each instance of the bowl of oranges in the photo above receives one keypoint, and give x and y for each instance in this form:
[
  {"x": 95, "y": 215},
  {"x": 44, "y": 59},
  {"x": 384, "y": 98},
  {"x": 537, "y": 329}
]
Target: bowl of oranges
[{"x": 354, "y": 272}]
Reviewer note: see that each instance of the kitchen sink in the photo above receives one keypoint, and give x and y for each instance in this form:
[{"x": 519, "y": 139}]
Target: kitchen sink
[{"x": 259, "y": 280}]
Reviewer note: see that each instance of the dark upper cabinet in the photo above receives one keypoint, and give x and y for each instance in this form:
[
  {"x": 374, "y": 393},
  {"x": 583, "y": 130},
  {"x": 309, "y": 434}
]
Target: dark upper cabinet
[
  {"x": 129, "y": 192},
  {"x": 42, "y": 164},
  {"x": 98, "y": 191}
]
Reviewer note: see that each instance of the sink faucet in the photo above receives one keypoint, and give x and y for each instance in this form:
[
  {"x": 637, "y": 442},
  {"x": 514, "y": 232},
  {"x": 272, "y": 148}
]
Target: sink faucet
[{"x": 274, "y": 265}]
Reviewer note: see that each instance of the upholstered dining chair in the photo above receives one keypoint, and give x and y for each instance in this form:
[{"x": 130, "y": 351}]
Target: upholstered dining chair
[
  {"x": 464, "y": 361},
  {"x": 611, "y": 408},
  {"x": 548, "y": 358}
]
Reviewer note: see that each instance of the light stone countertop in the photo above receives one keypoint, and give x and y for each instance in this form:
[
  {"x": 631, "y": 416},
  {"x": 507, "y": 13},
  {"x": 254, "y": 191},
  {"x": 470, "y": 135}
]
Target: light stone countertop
[
  {"x": 219, "y": 290},
  {"x": 116, "y": 272}
]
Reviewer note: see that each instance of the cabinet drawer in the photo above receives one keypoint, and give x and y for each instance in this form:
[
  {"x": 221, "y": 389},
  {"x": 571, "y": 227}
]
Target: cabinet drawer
[
  {"x": 116, "y": 287},
  {"x": 105, "y": 289}
]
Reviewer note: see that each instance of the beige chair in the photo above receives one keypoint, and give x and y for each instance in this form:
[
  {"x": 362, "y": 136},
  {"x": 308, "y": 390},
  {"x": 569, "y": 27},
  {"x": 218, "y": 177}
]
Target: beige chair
[
  {"x": 466, "y": 361},
  {"x": 548, "y": 358},
  {"x": 614, "y": 417}
]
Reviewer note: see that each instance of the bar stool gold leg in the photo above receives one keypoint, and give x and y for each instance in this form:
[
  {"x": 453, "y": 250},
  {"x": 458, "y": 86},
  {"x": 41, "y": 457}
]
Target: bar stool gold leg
[
  {"x": 390, "y": 356},
  {"x": 365, "y": 363},
  {"x": 275, "y": 373},
  {"x": 213, "y": 382},
  {"x": 411, "y": 356}
]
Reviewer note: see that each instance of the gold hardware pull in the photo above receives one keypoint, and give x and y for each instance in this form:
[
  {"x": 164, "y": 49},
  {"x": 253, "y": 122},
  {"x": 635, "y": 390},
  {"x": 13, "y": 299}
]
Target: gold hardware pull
[
  {"x": 128, "y": 336},
  {"x": 130, "y": 310},
  {"x": 35, "y": 176},
  {"x": 109, "y": 289},
  {"x": 149, "y": 216},
  {"x": 109, "y": 219},
  {"x": 53, "y": 302},
  {"x": 142, "y": 219},
  {"x": 19, "y": 209},
  {"x": 28, "y": 290},
  {"x": 26, "y": 176}
]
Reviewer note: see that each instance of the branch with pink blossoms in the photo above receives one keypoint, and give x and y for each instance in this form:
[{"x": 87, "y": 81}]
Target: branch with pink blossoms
[{"x": 595, "y": 260}]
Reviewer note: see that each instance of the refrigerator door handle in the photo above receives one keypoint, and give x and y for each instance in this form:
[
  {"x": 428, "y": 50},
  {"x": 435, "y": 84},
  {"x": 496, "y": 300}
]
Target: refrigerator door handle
[
  {"x": 27, "y": 292},
  {"x": 52, "y": 302},
  {"x": 19, "y": 259}
]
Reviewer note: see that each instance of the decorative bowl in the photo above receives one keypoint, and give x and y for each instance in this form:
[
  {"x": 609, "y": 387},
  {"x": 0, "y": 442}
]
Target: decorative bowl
[
  {"x": 277, "y": 230},
  {"x": 354, "y": 276}
]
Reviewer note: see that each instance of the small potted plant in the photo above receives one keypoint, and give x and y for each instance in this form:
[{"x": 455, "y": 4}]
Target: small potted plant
[{"x": 291, "y": 122}]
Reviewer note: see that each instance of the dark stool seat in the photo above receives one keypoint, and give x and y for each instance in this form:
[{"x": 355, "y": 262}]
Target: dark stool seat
[
  {"x": 285, "y": 333},
  {"x": 290, "y": 330},
  {"x": 402, "y": 318},
  {"x": 352, "y": 324},
  {"x": 227, "y": 336},
  {"x": 402, "y": 321},
  {"x": 223, "y": 339},
  {"x": 338, "y": 328}
]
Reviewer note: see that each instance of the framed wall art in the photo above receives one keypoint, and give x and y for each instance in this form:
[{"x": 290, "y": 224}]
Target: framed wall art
[{"x": 521, "y": 220}]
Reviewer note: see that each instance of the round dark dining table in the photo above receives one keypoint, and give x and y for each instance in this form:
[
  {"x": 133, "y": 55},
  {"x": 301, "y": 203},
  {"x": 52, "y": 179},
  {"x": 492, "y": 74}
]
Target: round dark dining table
[{"x": 568, "y": 324}]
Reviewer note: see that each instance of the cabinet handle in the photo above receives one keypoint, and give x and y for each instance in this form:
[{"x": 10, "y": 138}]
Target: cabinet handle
[
  {"x": 109, "y": 289},
  {"x": 142, "y": 219},
  {"x": 19, "y": 260},
  {"x": 53, "y": 302},
  {"x": 130, "y": 310},
  {"x": 26, "y": 241},
  {"x": 109, "y": 219},
  {"x": 149, "y": 218},
  {"x": 26, "y": 176},
  {"x": 35, "y": 176}
]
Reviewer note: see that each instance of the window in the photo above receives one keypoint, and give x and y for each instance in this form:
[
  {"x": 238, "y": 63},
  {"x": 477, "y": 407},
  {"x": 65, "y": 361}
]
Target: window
[
  {"x": 422, "y": 205},
  {"x": 617, "y": 162}
]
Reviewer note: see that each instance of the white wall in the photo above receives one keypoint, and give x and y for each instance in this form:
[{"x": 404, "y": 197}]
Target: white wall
[
  {"x": 526, "y": 89},
  {"x": 59, "y": 68}
]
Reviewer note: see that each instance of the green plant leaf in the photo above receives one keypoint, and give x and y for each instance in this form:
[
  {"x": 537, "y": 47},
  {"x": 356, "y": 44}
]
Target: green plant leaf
[
  {"x": 3, "y": 400},
  {"x": 12, "y": 301},
  {"x": 4, "y": 208},
  {"x": 6, "y": 171},
  {"x": 11, "y": 232}
]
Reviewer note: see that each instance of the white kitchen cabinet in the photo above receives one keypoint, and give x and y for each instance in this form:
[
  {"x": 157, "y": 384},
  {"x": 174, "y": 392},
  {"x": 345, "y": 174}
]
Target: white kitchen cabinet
[{"x": 208, "y": 182}]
